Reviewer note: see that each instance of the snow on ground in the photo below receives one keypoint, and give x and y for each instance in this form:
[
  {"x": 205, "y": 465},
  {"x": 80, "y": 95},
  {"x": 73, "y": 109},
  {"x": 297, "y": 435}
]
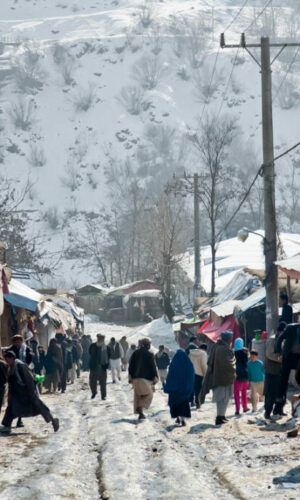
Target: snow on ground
[{"x": 101, "y": 451}]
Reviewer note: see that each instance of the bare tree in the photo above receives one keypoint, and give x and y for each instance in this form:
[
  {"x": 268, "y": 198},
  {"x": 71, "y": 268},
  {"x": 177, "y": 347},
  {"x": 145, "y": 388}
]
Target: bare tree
[
  {"x": 165, "y": 241},
  {"x": 212, "y": 141}
]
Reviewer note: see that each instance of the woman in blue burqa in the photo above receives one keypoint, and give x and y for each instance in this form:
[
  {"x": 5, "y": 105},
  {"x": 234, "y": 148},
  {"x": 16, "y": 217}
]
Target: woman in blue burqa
[{"x": 180, "y": 383}]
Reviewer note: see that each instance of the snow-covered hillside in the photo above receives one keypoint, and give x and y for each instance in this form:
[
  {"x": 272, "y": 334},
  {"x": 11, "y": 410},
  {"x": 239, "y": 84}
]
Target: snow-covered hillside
[{"x": 82, "y": 81}]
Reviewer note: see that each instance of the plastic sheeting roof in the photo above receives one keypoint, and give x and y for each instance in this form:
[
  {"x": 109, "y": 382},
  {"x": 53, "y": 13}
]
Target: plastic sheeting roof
[
  {"x": 291, "y": 267},
  {"x": 225, "y": 309},
  {"x": 21, "y": 295},
  {"x": 233, "y": 255}
]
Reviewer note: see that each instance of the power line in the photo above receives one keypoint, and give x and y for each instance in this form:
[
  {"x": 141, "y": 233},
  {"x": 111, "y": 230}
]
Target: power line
[
  {"x": 258, "y": 16},
  {"x": 228, "y": 82},
  {"x": 210, "y": 83},
  {"x": 236, "y": 16}
]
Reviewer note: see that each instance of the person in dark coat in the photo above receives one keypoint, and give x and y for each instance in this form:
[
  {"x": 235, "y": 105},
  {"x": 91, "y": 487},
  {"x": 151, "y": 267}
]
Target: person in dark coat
[
  {"x": 287, "y": 310},
  {"x": 21, "y": 349},
  {"x": 143, "y": 377},
  {"x": 3, "y": 380},
  {"x": 290, "y": 359},
  {"x": 241, "y": 381},
  {"x": 272, "y": 372},
  {"x": 162, "y": 361},
  {"x": 220, "y": 375},
  {"x": 53, "y": 365},
  {"x": 23, "y": 399},
  {"x": 180, "y": 383},
  {"x": 61, "y": 342},
  {"x": 85, "y": 344},
  {"x": 99, "y": 363}
]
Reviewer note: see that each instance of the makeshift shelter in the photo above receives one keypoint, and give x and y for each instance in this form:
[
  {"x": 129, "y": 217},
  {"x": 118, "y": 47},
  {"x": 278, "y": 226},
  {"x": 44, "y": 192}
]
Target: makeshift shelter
[
  {"x": 232, "y": 255},
  {"x": 250, "y": 315},
  {"x": 113, "y": 309},
  {"x": 139, "y": 304},
  {"x": 91, "y": 298}
]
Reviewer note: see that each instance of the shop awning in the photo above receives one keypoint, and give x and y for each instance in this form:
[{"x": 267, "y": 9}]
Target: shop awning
[
  {"x": 22, "y": 296},
  {"x": 291, "y": 267}
]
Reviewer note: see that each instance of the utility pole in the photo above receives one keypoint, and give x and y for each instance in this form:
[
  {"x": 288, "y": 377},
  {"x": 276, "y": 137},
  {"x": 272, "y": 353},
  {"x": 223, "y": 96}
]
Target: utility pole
[
  {"x": 184, "y": 185},
  {"x": 270, "y": 240},
  {"x": 197, "y": 258}
]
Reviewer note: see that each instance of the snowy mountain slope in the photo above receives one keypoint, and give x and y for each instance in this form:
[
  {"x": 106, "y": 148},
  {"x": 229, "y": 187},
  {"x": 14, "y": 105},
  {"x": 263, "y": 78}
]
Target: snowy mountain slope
[{"x": 88, "y": 55}]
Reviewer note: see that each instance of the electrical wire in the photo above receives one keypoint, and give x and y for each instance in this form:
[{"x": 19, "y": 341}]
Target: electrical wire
[
  {"x": 210, "y": 83},
  {"x": 236, "y": 16},
  {"x": 228, "y": 82},
  {"x": 258, "y": 16}
]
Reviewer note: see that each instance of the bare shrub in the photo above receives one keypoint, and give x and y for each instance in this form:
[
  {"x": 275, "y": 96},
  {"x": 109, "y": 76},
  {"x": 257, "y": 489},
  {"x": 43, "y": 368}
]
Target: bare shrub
[
  {"x": 28, "y": 72},
  {"x": 131, "y": 41},
  {"x": 85, "y": 98},
  {"x": 148, "y": 72},
  {"x": 236, "y": 86},
  {"x": 145, "y": 15},
  {"x": 92, "y": 181},
  {"x": 52, "y": 218},
  {"x": 80, "y": 147},
  {"x": 21, "y": 113},
  {"x": 288, "y": 94},
  {"x": 71, "y": 179},
  {"x": 196, "y": 41},
  {"x": 65, "y": 62},
  {"x": 156, "y": 39},
  {"x": 37, "y": 157},
  {"x": 205, "y": 86},
  {"x": 182, "y": 72},
  {"x": 132, "y": 98}
]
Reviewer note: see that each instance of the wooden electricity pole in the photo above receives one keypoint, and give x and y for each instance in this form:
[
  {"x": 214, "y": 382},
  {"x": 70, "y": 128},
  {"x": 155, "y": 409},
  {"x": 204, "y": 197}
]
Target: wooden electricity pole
[{"x": 270, "y": 240}]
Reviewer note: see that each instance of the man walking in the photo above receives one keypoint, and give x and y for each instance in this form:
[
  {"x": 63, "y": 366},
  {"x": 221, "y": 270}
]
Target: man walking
[
  {"x": 116, "y": 353},
  {"x": 272, "y": 369},
  {"x": 99, "y": 362},
  {"x": 290, "y": 359},
  {"x": 143, "y": 377},
  {"x": 124, "y": 344},
  {"x": 23, "y": 399},
  {"x": 162, "y": 361},
  {"x": 198, "y": 357},
  {"x": 220, "y": 375},
  {"x": 3, "y": 381}
]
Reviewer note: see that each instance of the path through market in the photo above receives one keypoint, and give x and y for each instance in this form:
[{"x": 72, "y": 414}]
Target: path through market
[{"x": 101, "y": 451}]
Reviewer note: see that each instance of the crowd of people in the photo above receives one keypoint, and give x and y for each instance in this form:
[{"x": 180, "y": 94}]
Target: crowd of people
[{"x": 229, "y": 370}]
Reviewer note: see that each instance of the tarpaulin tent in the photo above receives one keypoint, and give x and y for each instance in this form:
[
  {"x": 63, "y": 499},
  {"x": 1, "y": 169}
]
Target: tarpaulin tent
[{"x": 213, "y": 331}]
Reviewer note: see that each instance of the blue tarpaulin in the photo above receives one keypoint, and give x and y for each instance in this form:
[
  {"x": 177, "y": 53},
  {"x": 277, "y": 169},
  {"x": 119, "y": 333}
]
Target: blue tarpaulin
[{"x": 20, "y": 301}]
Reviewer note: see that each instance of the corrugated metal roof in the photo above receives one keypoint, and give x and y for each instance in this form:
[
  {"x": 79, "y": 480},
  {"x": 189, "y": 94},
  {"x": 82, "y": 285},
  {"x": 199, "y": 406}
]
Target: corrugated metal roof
[
  {"x": 252, "y": 300},
  {"x": 225, "y": 309}
]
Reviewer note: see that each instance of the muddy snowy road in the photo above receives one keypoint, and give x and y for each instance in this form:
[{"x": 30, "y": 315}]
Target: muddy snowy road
[{"x": 102, "y": 452}]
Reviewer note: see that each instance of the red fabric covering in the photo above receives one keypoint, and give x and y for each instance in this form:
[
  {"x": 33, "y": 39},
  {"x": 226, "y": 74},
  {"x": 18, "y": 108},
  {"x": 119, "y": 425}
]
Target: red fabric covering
[
  {"x": 5, "y": 289},
  {"x": 213, "y": 332}
]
